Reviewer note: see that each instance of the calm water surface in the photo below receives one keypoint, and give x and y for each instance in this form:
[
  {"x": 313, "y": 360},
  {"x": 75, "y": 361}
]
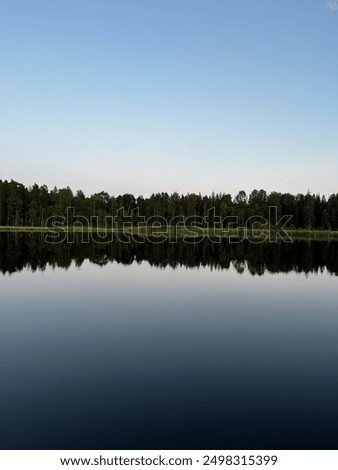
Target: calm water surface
[{"x": 148, "y": 347}]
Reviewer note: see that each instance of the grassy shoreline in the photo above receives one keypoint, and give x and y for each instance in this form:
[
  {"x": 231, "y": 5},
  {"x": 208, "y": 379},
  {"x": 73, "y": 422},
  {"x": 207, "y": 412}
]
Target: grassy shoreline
[{"x": 181, "y": 232}]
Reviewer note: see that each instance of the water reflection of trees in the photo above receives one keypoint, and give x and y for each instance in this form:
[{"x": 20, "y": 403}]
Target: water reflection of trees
[{"x": 26, "y": 250}]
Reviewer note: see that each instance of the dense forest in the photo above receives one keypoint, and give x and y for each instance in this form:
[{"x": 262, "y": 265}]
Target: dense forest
[{"x": 32, "y": 206}]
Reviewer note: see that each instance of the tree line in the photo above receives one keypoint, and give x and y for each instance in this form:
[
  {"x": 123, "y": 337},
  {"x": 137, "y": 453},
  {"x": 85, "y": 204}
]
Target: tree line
[{"x": 33, "y": 206}]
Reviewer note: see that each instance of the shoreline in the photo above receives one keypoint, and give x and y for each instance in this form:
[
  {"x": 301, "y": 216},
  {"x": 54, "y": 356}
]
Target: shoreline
[{"x": 188, "y": 232}]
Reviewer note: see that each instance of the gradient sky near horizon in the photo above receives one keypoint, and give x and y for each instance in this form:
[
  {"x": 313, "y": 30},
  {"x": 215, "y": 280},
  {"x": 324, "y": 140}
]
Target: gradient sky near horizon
[{"x": 145, "y": 96}]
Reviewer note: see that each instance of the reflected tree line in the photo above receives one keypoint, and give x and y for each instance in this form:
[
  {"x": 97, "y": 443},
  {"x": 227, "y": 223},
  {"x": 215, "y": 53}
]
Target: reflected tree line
[
  {"x": 28, "y": 250},
  {"x": 34, "y": 205}
]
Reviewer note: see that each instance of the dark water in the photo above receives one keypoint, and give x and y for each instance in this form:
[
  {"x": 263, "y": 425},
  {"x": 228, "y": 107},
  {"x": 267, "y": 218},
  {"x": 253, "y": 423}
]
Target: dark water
[{"x": 130, "y": 346}]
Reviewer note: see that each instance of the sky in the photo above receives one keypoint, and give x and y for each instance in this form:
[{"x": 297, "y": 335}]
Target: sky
[{"x": 143, "y": 96}]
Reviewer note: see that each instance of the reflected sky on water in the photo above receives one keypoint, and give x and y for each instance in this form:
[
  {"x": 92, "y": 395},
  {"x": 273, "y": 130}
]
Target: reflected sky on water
[{"x": 132, "y": 356}]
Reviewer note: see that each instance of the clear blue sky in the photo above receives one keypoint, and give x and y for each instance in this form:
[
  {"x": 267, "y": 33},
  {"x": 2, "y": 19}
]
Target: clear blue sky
[{"x": 142, "y": 96}]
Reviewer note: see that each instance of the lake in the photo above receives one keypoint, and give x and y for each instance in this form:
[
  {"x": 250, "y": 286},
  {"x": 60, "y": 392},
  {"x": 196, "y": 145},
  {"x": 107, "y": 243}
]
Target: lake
[{"x": 168, "y": 346}]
